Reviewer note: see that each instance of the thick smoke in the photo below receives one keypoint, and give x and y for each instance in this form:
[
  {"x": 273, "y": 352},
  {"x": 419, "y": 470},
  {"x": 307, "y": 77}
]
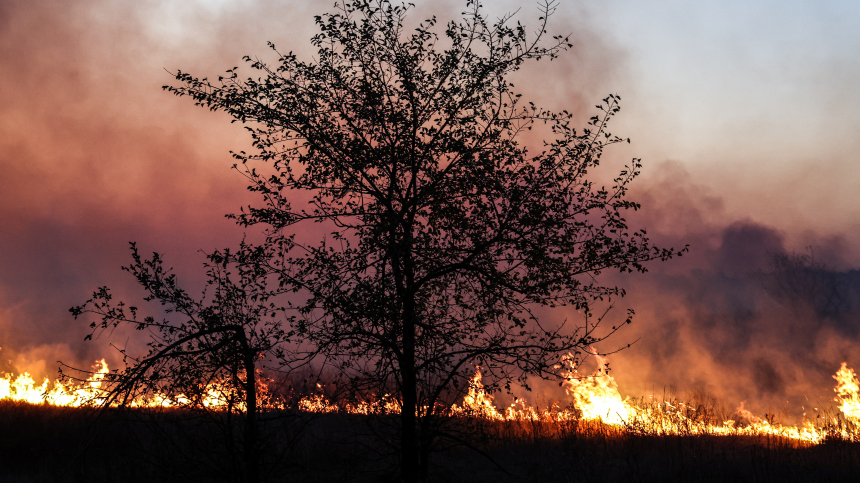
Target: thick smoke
[
  {"x": 94, "y": 155},
  {"x": 744, "y": 316}
]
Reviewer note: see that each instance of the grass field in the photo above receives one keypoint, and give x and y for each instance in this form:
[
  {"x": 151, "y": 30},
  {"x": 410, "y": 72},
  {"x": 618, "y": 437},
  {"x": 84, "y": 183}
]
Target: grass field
[{"x": 40, "y": 443}]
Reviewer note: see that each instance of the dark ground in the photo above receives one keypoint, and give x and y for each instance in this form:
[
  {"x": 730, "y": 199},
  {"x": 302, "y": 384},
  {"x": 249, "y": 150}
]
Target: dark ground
[{"x": 49, "y": 444}]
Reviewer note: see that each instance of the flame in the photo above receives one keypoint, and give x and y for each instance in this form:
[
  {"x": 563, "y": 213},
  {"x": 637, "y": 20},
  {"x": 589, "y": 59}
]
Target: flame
[
  {"x": 594, "y": 397},
  {"x": 317, "y": 403},
  {"x": 847, "y": 390},
  {"x": 24, "y": 389},
  {"x": 597, "y": 396},
  {"x": 477, "y": 402}
]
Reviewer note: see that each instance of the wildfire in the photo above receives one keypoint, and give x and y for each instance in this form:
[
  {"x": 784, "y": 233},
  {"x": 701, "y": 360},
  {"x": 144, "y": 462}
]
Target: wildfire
[
  {"x": 477, "y": 402},
  {"x": 24, "y": 388},
  {"x": 594, "y": 397},
  {"x": 318, "y": 403},
  {"x": 90, "y": 393},
  {"x": 597, "y": 396},
  {"x": 848, "y": 391}
]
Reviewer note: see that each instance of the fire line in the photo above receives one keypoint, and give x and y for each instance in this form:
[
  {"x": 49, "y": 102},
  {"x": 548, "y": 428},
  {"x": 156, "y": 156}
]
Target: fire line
[{"x": 593, "y": 398}]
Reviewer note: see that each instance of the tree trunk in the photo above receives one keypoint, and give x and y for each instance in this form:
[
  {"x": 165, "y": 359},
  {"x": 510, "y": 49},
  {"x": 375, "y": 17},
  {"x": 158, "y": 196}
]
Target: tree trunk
[
  {"x": 410, "y": 450},
  {"x": 252, "y": 470}
]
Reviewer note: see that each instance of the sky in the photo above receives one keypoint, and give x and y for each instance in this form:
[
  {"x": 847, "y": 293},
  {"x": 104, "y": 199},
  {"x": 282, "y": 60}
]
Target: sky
[{"x": 746, "y": 116}]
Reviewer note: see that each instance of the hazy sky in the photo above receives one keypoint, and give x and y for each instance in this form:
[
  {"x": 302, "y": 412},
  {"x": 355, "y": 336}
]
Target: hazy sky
[
  {"x": 759, "y": 99},
  {"x": 746, "y": 115}
]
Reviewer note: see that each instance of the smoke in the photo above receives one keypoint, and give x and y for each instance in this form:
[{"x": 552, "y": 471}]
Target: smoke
[
  {"x": 93, "y": 155},
  {"x": 745, "y": 316}
]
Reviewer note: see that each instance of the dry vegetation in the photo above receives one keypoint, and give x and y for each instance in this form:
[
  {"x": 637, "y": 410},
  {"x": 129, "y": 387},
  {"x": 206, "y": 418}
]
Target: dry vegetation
[{"x": 40, "y": 443}]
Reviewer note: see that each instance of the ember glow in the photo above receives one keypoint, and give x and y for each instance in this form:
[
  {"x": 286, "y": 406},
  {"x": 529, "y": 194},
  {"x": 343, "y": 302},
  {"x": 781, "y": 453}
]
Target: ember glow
[{"x": 592, "y": 398}]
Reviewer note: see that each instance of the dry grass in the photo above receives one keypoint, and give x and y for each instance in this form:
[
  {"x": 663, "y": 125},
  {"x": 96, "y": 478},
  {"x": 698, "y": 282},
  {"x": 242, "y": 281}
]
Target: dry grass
[{"x": 50, "y": 444}]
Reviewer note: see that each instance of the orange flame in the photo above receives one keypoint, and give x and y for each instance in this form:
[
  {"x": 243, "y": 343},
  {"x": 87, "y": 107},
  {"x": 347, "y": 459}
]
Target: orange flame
[
  {"x": 477, "y": 402},
  {"x": 24, "y": 388},
  {"x": 848, "y": 392},
  {"x": 597, "y": 396},
  {"x": 594, "y": 397}
]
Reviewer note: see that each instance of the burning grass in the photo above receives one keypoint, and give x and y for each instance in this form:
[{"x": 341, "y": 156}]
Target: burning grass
[
  {"x": 592, "y": 398},
  {"x": 48, "y": 433}
]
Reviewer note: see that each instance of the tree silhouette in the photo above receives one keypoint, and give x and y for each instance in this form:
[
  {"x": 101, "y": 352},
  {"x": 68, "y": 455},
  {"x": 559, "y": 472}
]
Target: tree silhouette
[
  {"x": 203, "y": 351},
  {"x": 445, "y": 233}
]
